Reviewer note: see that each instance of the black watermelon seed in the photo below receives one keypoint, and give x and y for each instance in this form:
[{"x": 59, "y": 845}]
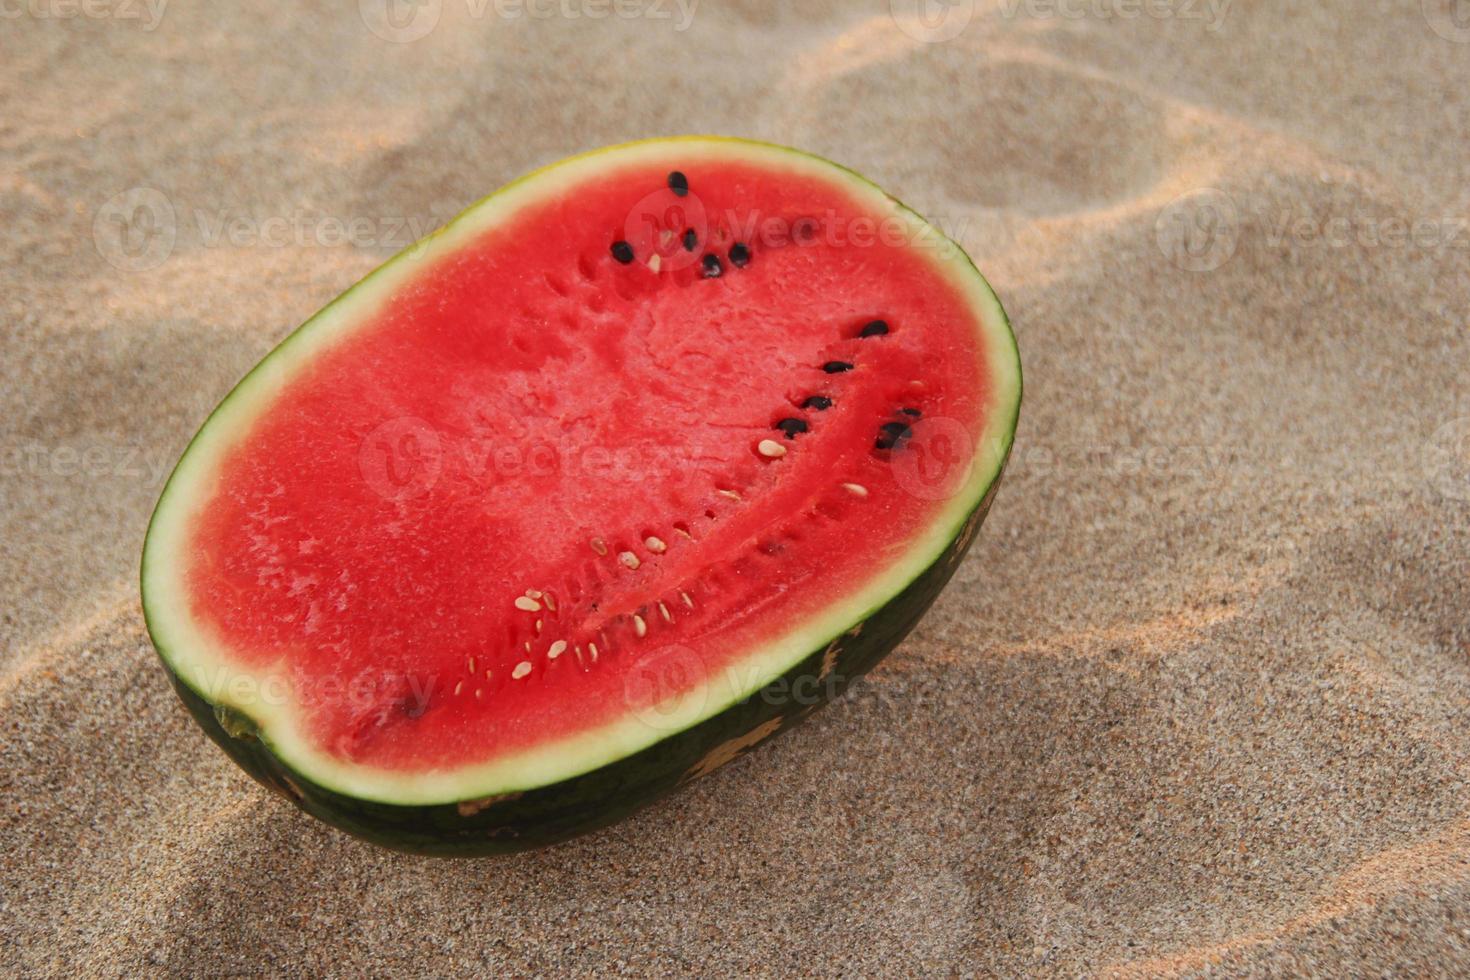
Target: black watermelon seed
[
  {"x": 791, "y": 427},
  {"x": 690, "y": 239},
  {"x": 678, "y": 183},
  {"x": 623, "y": 252},
  {"x": 740, "y": 254},
  {"x": 836, "y": 367},
  {"x": 892, "y": 434},
  {"x": 911, "y": 411},
  {"x": 820, "y": 402},
  {"x": 712, "y": 267},
  {"x": 874, "y": 328}
]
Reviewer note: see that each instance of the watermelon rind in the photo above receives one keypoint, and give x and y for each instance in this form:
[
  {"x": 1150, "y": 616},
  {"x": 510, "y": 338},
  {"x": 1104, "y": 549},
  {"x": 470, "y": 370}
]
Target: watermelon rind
[{"x": 591, "y": 779}]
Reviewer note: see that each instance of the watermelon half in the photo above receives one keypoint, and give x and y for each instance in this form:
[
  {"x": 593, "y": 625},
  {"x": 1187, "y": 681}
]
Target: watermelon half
[{"x": 631, "y": 466}]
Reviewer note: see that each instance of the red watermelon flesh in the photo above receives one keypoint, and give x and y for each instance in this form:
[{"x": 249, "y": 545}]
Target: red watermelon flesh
[{"x": 454, "y": 525}]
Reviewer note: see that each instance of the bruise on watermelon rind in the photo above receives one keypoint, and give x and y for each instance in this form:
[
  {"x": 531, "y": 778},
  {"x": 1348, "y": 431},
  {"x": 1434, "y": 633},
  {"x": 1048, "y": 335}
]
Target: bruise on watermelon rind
[{"x": 490, "y": 818}]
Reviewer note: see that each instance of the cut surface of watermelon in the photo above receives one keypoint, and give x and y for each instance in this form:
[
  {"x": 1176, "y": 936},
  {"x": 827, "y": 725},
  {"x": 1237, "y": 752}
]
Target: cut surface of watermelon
[{"x": 626, "y": 442}]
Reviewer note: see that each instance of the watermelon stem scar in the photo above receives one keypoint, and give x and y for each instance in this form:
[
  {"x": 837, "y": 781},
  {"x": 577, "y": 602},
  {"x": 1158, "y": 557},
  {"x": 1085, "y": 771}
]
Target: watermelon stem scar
[{"x": 556, "y": 510}]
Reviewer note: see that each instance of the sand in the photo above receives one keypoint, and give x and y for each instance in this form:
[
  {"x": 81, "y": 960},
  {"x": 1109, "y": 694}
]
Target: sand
[{"x": 1198, "y": 699}]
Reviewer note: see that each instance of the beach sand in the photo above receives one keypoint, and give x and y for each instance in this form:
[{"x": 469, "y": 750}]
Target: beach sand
[{"x": 1200, "y": 695}]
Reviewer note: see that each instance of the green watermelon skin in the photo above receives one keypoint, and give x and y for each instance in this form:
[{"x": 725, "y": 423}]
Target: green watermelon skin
[
  {"x": 558, "y": 812},
  {"x": 470, "y": 825}
]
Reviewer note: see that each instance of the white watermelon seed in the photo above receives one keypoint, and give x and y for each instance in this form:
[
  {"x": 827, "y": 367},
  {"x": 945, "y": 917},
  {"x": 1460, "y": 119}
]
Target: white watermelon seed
[
  {"x": 655, "y": 545},
  {"x": 856, "y": 488},
  {"x": 639, "y": 626},
  {"x": 527, "y": 604},
  {"x": 771, "y": 448},
  {"x": 557, "y": 649},
  {"x": 629, "y": 559},
  {"x": 522, "y": 669}
]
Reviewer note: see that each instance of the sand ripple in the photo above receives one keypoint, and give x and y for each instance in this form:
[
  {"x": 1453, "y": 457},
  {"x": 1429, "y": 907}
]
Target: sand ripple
[{"x": 1198, "y": 700}]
